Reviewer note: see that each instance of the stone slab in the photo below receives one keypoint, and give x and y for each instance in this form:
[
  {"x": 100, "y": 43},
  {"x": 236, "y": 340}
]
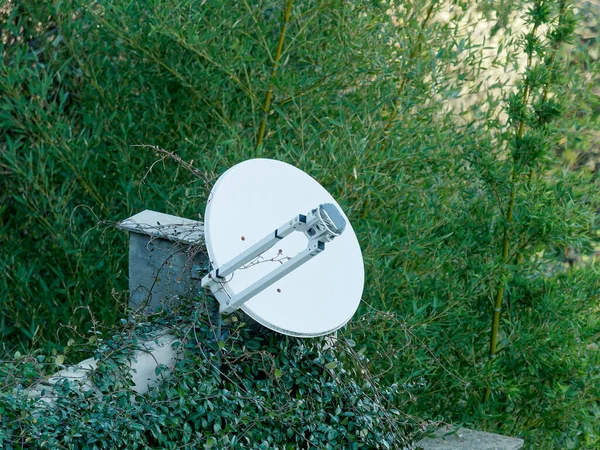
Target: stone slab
[
  {"x": 165, "y": 226},
  {"x": 450, "y": 438}
]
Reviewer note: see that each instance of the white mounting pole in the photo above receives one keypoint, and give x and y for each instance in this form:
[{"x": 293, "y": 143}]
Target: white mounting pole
[{"x": 320, "y": 225}]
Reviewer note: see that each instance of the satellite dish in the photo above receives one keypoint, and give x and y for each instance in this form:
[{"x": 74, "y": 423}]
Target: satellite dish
[{"x": 282, "y": 250}]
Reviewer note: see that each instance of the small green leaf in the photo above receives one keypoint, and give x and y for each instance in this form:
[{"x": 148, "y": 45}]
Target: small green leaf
[
  {"x": 59, "y": 360},
  {"x": 252, "y": 344},
  {"x": 331, "y": 365}
]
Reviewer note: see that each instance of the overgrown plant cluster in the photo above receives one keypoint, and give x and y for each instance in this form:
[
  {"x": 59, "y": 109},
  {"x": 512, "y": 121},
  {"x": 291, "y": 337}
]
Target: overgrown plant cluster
[
  {"x": 464, "y": 218},
  {"x": 246, "y": 389}
]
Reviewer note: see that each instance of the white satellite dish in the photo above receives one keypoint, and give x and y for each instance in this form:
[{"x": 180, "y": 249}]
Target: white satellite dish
[{"x": 282, "y": 250}]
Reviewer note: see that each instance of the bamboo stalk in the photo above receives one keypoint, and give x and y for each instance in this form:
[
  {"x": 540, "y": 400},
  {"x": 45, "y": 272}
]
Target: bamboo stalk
[
  {"x": 506, "y": 238},
  {"x": 561, "y": 13},
  {"x": 269, "y": 96}
]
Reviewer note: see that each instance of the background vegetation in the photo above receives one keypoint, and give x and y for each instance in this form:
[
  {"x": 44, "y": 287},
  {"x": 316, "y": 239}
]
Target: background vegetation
[{"x": 363, "y": 98}]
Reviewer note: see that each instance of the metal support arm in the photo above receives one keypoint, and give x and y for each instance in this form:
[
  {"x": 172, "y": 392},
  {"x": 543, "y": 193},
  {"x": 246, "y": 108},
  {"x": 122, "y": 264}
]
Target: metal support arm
[{"x": 320, "y": 225}]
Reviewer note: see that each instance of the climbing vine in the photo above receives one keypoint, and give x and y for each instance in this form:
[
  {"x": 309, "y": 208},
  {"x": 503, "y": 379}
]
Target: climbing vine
[{"x": 246, "y": 388}]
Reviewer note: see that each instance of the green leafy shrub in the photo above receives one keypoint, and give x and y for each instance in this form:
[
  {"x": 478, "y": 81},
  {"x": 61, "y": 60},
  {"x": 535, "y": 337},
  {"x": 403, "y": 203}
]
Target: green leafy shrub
[
  {"x": 251, "y": 389},
  {"x": 84, "y": 84},
  {"x": 359, "y": 100},
  {"x": 494, "y": 250}
]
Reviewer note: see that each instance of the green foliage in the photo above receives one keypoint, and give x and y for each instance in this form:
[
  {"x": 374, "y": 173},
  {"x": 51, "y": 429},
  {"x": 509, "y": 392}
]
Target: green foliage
[
  {"x": 94, "y": 80},
  {"x": 361, "y": 101},
  {"x": 530, "y": 114},
  {"x": 251, "y": 389}
]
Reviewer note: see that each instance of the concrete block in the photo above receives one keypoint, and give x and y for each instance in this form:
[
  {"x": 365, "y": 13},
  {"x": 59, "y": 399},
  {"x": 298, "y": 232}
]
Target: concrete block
[
  {"x": 160, "y": 351},
  {"x": 449, "y": 438},
  {"x": 163, "y": 249}
]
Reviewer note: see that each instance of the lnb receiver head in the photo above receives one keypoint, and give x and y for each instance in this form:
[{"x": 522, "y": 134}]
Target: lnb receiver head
[{"x": 325, "y": 223}]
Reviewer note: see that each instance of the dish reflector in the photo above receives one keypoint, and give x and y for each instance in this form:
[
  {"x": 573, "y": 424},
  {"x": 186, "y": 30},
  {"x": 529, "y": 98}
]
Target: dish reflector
[{"x": 249, "y": 202}]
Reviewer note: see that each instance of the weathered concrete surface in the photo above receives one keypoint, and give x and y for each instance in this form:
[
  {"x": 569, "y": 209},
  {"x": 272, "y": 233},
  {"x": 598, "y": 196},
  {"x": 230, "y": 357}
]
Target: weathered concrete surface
[
  {"x": 448, "y": 438},
  {"x": 165, "y": 226},
  {"x": 163, "y": 249},
  {"x": 159, "y": 351}
]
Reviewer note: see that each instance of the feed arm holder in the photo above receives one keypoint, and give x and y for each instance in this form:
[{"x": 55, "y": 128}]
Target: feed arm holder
[{"x": 322, "y": 224}]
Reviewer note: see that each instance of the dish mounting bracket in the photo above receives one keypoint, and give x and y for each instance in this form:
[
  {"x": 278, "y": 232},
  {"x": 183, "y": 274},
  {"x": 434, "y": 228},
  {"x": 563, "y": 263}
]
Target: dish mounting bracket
[{"x": 320, "y": 225}]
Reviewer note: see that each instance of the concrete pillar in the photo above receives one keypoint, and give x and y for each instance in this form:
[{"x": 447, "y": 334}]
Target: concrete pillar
[{"x": 164, "y": 254}]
